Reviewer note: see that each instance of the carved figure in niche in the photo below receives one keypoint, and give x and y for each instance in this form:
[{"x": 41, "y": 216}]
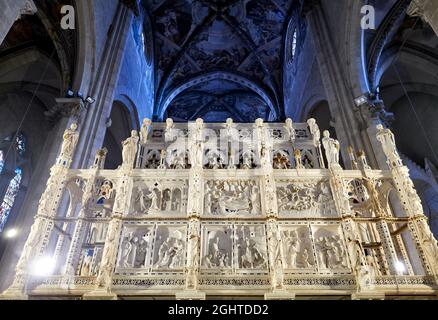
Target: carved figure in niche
[
  {"x": 153, "y": 196},
  {"x": 177, "y": 161},
  {"x": 169, "y": 134},
  {"x": 307, "y": 161},
  {"x": 281, "y": 161},
  {"x": 214, "y": 160},
  {"x": 142, "y": 199},
  {"x": 247, "y": 161},
  {"x": 153, "y": 160},
  {"x": 314, "y": 130},
  {"x": 298, "y": 159},
  {"x": 70, "y": 137},
  {"x": 85, "y": 268},
  {"x": 162, "y": 160},
  {"x": 289, "y": 126},
  {"x": 428, "y": 243},
  {"x": 332, "y": 148},
  {"x": 141, "y": 252},
  {"x": 232, "y": 159},
  {"x": 387, "y": 140},
  {"x": 32, "y": 243},
  {"x": 167, "y": 200},
  {"x": 130, "y": 150},
  {"x": 197, "y": 154},
  {"x": 144, "y": 132},
  {"x": 291, "y": 244},
  {"x": 126, "y": 257},
  {"x": 265, "y": 156},
  {"x": 414, "y": 199}
]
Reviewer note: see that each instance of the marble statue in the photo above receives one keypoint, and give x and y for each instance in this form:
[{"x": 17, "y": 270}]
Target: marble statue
[
  {"x": 314, "y": 131},
  {"x": 144, "y": 132},
  {"x": 289, "y": 126},
  {"x": 71, "y": 137},
  {"x": 387, "y": 140},
  {"x": 332, "y": 148},
  {"x": 130, "y": 150}
]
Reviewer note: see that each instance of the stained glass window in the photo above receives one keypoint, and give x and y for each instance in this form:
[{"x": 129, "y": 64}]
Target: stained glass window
[
  {"x": 20, "y": 144},
  {"x": 2, "y": 161},
  {"x": 294, "y": 42},
  {"x": 9, "y": 199}
]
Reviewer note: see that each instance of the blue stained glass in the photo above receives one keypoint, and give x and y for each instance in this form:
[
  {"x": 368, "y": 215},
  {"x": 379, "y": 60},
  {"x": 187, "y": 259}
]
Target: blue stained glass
[
  {"x": 294, "y": 42},
  {"x": 2, "y": 161},
  {"x": 9, "y": 199},
  {"x": 20, "y": 144}
]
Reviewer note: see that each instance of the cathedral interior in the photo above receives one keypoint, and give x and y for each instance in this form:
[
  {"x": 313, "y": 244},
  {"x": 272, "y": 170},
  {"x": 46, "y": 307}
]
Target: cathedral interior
[{"x": 332, "y": 191}]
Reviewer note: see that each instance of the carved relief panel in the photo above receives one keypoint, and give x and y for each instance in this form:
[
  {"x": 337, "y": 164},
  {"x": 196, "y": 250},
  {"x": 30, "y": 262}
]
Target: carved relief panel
[
  {"x": 216, "y": 247},
  {"x": 135, "y": 247},
  {"x": 298, "y": 251},
  {"x": 296, "y": 198},
  {"x": 232, "y": 197},
  {"x": 250, "y": 248},
  {"x": 231, "y": 249},
  {"x": 161, "y": 196},
  {"x": 170, "y": 248},
  {"x": 330, "y": 249}
]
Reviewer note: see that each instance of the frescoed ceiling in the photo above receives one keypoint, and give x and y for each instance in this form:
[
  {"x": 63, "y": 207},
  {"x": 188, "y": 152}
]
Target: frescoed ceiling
[{"x": 219, "y": 58}]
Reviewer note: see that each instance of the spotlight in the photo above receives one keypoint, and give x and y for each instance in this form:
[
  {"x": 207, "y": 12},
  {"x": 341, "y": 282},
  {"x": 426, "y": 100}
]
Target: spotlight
[
  {"x": 11, "y": 233},
  {"x": 69, "y": 94},
  {"x": 44, "y": 266},
  {"x": 90, "y": 100},
  {"x": 400, "y": 267},
  {"x": 360, "y": 100},
  {"x": 80, "y": 95}
]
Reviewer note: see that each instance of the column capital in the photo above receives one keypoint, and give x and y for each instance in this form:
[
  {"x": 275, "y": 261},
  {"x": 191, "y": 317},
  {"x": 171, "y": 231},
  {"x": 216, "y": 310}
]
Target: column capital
[
  {"x": 368, "y": 110},
  {"x": 65, "y": 107}
]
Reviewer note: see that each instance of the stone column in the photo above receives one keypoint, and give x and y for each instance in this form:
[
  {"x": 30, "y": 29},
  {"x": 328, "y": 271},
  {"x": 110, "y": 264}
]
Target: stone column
[
  {"x": 103, "y": 88},
  {"x": 426, "y": 244},
  {"x": 109, "y": 256},
  {"x": 195, "y": 210},
  {"x": 340, "y": 95},
  {"x": 12, "y": 10},
  {"x": 39, "y": 236},
  {"x": 427, "y": 10},
  {"x": 81, "y": 225}
]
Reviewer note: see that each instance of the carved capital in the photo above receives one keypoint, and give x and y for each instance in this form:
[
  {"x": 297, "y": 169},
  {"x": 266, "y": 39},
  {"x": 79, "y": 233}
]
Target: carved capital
[
  {"x": 65, "y": 107},
  {"x": 372, "y": 110}
]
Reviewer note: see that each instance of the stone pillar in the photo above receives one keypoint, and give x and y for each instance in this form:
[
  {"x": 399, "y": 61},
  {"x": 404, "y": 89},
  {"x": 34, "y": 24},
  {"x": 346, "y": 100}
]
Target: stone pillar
[
  {"x": 103, "y": 88},
  {"x": 426, "y": 244},
  {"x": 195, "y": 210},
  {"x": 39, "y": 236},
  {"x": 427, "y": 10},
  {"x": 340, "y": 95},
  {"x": 109, "y": 256},
  {"x": 12, "y": 10},
  {"x": 81, "y": 225}
]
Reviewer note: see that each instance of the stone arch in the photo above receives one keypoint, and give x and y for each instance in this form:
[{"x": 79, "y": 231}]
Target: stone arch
[
  {"x": 119, "y": 127},
  {"x": 240, "y": 79}
]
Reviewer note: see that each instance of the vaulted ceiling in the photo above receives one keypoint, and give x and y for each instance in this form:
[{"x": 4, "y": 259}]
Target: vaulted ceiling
[{"x": 219, "y": 58}]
